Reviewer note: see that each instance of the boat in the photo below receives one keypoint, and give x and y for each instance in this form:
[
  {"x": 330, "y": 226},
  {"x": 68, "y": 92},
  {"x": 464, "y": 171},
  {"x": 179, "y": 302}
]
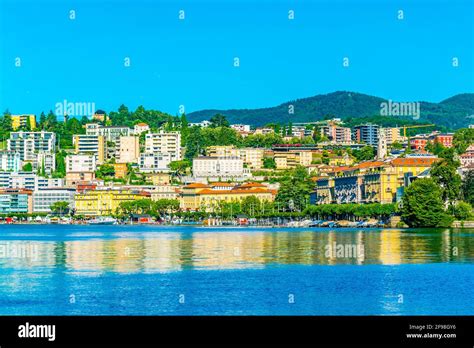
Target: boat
[{"x": 103, "y": 221}]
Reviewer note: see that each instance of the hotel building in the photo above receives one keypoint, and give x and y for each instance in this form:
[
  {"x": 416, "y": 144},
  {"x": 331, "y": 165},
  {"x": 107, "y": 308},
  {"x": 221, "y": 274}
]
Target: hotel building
[
  {"x": 44, "y": 198},
  {"x": 218, "y": 167},
  {"x": 203, "y": 197},
  {"x": 105, "y": 201}
]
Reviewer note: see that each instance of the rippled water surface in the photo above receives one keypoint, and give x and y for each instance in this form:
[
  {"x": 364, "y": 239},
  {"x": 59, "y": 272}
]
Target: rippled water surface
[{"x": 154, "y": 270}]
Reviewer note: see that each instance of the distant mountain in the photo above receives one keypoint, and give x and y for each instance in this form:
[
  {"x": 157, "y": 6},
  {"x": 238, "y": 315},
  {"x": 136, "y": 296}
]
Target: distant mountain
[{"x": 452, "y": 113}]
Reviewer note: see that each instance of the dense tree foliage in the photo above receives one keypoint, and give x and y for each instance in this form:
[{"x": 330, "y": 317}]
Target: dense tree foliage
[
  {"x": 467, "y": 187},
  {"x": 422, "y": 205},
  {"x": 147, "y": 206},
  {"x": 60, "y": 207},
  {"x": 365, "y": 154},
  {"x": 444, "y": 173},
  {"x": 293, "y": 194},
  {"x": 463, "y": 138}
]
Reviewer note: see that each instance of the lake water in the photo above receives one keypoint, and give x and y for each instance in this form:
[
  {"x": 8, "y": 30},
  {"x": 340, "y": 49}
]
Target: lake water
[{"x": 155, "y": 270}]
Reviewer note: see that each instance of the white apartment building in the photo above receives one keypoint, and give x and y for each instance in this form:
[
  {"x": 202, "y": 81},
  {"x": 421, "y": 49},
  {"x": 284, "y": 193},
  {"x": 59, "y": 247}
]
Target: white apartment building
[
  {"x": 10, "y": 161},
  {"x": 44, "y": 198},
  {"x": 164, "y": 143},
  {"x": 218, "y": 167},
  {"x": 111, "y": 133},
  {"x": 28, "y": 180},
  {"x": 45, "y": 160},
  {"x": 155, "y": 162},
  {"x": 28, "y": 144},
  {"x": 91, "y": 144},
  {"x": 128, "y": 149},
  {"x": 81, "y": 163}
]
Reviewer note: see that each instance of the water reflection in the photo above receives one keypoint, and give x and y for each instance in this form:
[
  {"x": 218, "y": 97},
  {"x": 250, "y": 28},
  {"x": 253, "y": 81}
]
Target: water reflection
[{"x": 169, "y": 250}]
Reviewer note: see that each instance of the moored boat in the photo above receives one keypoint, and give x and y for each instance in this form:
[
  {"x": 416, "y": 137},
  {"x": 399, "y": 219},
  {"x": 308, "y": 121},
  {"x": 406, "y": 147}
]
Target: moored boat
[{"x": 107, "y": 220}]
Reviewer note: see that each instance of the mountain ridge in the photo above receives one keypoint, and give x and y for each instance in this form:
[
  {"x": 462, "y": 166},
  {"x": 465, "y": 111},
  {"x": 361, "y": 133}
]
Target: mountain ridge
[{"x": 452, "y": 112}]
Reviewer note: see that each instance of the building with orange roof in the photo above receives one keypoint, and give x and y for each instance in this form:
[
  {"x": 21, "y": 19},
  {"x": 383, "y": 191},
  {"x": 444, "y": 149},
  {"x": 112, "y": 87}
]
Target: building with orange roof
[
  {"x": 140, "y": 128},
  {"x": 370, "y": 181},
  {"x": 207, "y": 198}
]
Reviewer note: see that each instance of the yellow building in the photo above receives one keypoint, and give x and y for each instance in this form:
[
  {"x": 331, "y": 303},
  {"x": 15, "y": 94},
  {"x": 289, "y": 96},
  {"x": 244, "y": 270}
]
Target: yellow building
[
  {"x": 293, "y": 158},
  {"x": 121, "y": 170},
  {"x": 369, "y": 182},
  {"x": 19, "y": 121},
  {"x": 341, "y": 161},
  {"x": 158, "y": 178},
  {"x": 104, "y": 202},
  {"x": 207, "y": 197}
]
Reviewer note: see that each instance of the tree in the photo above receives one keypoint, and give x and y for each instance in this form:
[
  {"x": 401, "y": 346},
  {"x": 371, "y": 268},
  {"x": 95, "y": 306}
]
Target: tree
[
  {"x": 463, "y": 211},
  {"x": 294, "y": 190},
  {"x": 42, "y": 120},
  {"x": 105, "y": 171},
  {"x": 397, "y": 146},
  {"x": 60, "y": 165},
  {"x": 434, "y": 147},
  {"x": 445, "y": 175},
  {"x": 60, "y": 207},
  {"x": 179, "y": 168},
  {"x": 219, "y": 120},
  {"x": 462, "y": 139},
  {"x": 422, "y": 205},
  {"x": 27, "y": 167},
  {"x": 166, "y": 206},
  {"x": 365, "y": 154},
  {"x": 467, "y": 187},
  {"x": 269, "y": 163}
]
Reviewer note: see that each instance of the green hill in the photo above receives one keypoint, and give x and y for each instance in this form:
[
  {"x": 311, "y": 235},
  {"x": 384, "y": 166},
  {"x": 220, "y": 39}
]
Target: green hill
[{"x": 452, "y": 113}]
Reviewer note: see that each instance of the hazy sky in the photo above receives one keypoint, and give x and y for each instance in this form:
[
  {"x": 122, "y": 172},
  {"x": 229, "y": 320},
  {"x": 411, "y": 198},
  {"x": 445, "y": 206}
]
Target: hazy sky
[{"x": 190, "y": 62}]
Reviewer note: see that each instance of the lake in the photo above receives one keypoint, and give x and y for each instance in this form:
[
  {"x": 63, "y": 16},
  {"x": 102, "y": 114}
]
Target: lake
[{"x": 157, "y": 270}]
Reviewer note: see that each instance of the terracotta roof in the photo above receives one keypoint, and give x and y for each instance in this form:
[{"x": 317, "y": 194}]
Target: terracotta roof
[
  {"x": 252, "y": 184},
  {"x": 196, "y": 185},
  {"x": 369, "y": 164},
  {"x": 141, "y": 124},
  {"x": 413, "y": 162},
  {"x": 222, "y": 184},
  {"x": 236, "y": 191}
]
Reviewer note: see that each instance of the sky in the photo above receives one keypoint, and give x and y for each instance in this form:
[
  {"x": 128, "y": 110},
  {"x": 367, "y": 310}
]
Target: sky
[{"x": 46, "y": 56}]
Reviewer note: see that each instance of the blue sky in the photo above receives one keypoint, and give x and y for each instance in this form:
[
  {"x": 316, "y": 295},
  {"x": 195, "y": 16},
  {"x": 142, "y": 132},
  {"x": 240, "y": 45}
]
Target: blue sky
[{"x": 190, "y": 62}]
